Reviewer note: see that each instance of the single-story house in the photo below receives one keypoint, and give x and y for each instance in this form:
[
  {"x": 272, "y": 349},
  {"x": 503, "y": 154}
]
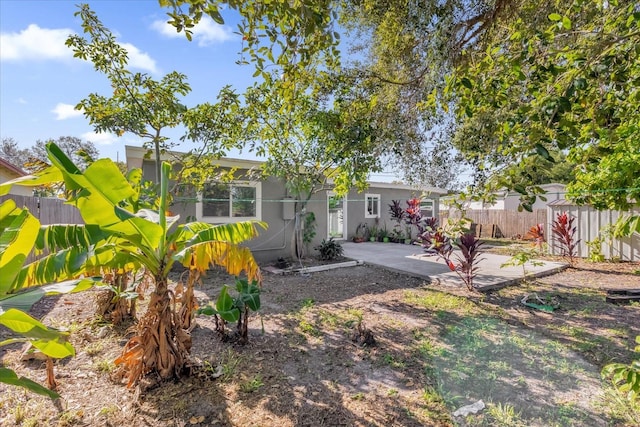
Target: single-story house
[
  {"x": 8, "y": 172},
  {"x": 509, "y": 201},
  {"x": 266, "y": 199}
]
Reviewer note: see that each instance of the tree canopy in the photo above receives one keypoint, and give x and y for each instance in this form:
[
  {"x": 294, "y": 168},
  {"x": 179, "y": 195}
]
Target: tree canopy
[{"x": 558, "y": 77}]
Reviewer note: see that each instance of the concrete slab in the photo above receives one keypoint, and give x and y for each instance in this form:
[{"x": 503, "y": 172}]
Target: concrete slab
[{"x": 412, "y": 260}]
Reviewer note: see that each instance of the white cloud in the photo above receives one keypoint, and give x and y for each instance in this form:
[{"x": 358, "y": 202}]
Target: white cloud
[
  {"x": 65, "y": 111},
  {"x": 99, "y": 138},
  {"x": 35, "y": 43},
  {"x": 139, "y": 59},
  {"x": 22, "y": 101},
  {"x": 206, "y": 33}
]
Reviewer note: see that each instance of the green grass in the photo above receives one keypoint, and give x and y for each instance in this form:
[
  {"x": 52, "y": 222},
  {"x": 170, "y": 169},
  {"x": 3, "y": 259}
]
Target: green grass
[
  {"x": 439, "y": 301},
  {"x": 252, "y": 384}
]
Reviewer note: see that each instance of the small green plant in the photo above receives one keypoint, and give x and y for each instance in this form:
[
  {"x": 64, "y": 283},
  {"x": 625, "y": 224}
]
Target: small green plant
[
  {"x": 104, "y": 366},
  {"x": 505, "y": 415},
  {"x": 626, "y": 378},
  {"x": 228, "y": 309},
  {"x": 330, "y": 249},
  {"x": 521, "y": 259},
  {"x": 309, "y": 329},
  {"x": 358, "y": 396},
  {"x": 252, "y": 385},
  {"x": 308, "y": 303},
  {"x": 595, "y": 249}
]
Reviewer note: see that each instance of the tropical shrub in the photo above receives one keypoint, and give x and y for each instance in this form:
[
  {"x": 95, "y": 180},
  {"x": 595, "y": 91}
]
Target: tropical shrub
[
  {"x": 21, "y": 285},
  {"x": 436, "y": 240},
  {"x": 564, "y": 233},
  {"x": 521, "y": 258},
  {"x": 536, "y": 233},
  {"x": 397, "y": 215},
  {"x": 413, "y": 215},
  {"x": 151, "y": 238},
  {"x": 229, "y": 309},
  {"x": 330, "y": 249},
  {"x": 626, "y": 378},
  {"x": 467, "y": 266}
]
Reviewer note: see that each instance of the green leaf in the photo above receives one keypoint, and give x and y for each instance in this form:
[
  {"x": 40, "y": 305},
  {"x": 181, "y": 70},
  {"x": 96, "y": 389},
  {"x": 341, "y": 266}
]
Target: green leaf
[
  {"x": 555, "y": 17},
  {"x": 466, "y": 83},
  {"x": 566, "y": 23},
  {"x": 48, "y": 176},
  {"x": 249, "y": 294},
  {"x": 8, "y": 376},
  {"x": 225, "y": 306},
  {"x": 520, "y": 188},
  {"x": 16, "y": 242},
  {"x": 27, "y": 326},
  {"x": 24, "y": 300},
  {"x": 57, "y": 348},
  {"x": 207, "y": 310},
  {"x": 542, "y": 152}
]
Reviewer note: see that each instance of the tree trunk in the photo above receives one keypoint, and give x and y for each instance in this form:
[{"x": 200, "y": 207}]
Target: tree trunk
[{"x": 161, "y": 345}]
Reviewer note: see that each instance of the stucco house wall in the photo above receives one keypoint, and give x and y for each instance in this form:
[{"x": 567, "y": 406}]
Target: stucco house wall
[
  {"x": 276, "y": 208},
  {"x": 8, "y": 172}
]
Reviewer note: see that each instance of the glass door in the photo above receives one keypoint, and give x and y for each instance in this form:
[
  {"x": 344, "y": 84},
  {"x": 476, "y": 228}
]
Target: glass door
[{"x": 336, "y": 216}]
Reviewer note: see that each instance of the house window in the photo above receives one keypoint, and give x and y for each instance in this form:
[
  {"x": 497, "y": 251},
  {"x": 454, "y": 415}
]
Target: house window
[
  {"x": 230, "y": 202},
  {"x": 372, "y": 205},
  {"x": 426, "y": 208}
]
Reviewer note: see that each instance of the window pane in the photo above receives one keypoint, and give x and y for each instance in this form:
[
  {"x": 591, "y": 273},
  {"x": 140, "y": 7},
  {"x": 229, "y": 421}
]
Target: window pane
[
  {"x": 215, "y": 200},
  {"x": 243, "y": 201},
  {"x": 426, "y": 208},
  {"x": 373, "y": 206}
]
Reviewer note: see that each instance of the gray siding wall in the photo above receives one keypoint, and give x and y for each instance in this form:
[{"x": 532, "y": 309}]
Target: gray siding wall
[{"x": 276, "y": 240}]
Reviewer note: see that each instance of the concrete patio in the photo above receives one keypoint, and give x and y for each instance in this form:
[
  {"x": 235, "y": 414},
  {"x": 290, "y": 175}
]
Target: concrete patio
[{"x": 412, "y": 260}]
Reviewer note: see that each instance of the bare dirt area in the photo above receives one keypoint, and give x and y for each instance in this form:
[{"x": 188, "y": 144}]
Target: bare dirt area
[{"x": 359, "y": 346}]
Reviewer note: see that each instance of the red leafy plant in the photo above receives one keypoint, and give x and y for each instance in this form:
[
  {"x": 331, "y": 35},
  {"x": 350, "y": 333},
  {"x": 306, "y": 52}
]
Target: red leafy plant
[
  {"x": 412, "y": 213},
  {"x": 564, "y": 233},
  {"x": 434, "y": 239},
  {"x": 536, "y": 233},
  {"x": 467, "y": 267},
  {"x": 469, "y": 259}
]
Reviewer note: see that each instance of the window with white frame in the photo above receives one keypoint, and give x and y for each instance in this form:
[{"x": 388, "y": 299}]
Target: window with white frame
[
  {"x": 372, "y": 205},
  {"x": 230, "y": 202},
  {"x": 426, "y": 208}
]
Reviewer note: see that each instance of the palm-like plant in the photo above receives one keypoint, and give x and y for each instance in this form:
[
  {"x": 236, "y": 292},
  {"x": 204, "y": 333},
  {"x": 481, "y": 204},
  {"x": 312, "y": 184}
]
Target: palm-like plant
[
  {"x": 22, "y": 284},
  {"x": 150, "y": 239}
]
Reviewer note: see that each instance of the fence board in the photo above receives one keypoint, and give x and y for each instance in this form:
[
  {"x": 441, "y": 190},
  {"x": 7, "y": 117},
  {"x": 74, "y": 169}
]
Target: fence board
[
  {"x": 47, "y": 210},
  {"x": 508, "y": 223},
  {"x": 589, "y": 223}
]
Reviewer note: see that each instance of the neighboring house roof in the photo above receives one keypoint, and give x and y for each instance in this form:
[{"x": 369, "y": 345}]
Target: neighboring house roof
[
  {"x": 424, "y": 189},
  {"x": 11, "y": 168}
]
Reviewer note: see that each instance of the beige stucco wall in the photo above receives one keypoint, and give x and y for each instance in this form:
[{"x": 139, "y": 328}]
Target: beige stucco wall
[{"x": 6, "y": 175}]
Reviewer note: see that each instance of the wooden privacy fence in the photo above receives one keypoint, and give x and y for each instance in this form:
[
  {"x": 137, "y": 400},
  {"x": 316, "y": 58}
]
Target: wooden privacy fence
[
  {"x": 500, "y": 223},
  {"x": 47, "y": 210}
]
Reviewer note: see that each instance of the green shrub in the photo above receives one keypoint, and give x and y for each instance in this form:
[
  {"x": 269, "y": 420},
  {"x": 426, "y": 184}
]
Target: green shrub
[{"x": 329, "y": 249}]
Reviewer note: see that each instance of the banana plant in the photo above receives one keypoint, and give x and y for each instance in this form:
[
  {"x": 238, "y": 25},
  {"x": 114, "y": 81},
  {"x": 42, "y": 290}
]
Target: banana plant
[
  {"x": 22, "y": 284},
  {"x": 151, "y": 239},
  {"x": 229, "y": 309}
]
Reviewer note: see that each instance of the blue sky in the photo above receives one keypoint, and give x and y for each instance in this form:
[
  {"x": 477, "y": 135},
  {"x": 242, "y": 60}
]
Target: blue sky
[{"x": 41, "y": 82}]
